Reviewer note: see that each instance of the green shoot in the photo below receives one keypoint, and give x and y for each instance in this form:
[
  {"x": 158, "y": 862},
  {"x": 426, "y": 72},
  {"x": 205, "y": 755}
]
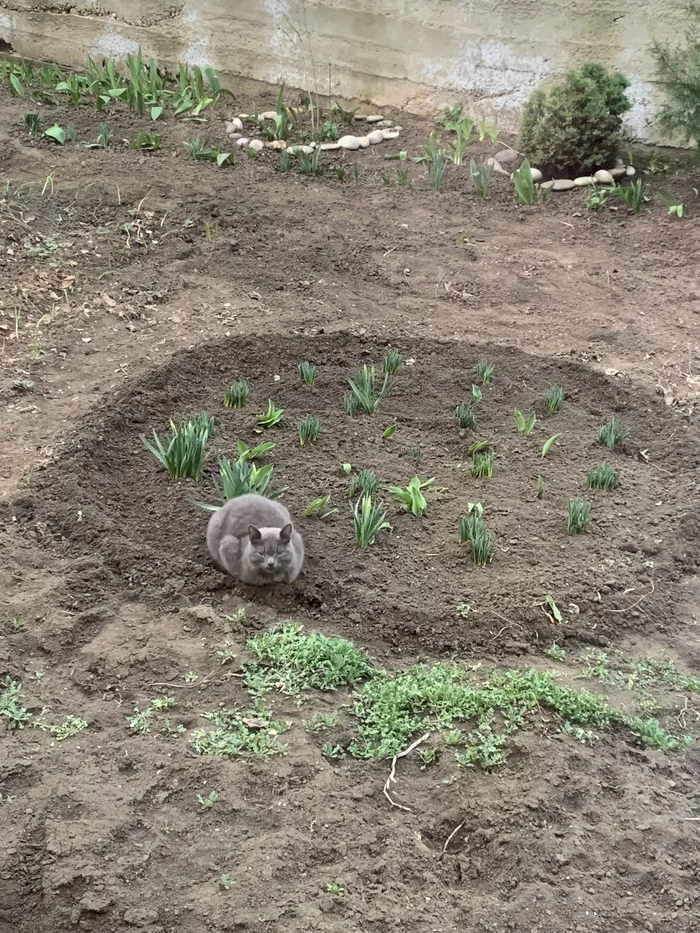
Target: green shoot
[
  {"x": 145, "y": 142},
  {"x": 553, "y": 608},
  {"x": 11, "y": 700},
  {"x": 390, "y": 431},
  {"x": 414, "y": 454},
  {"x": 525, "y": 425},
  {"x": 206, "y": 803},
  {"x": 236, "y": 394},
  {"x": 271, "y": 417},
  {"x": 32, "y": 122},
  {"x": 549, "y": 443},
  {"x": 523, "y": 184},
  {"x": 612, "y": 434},
  {"x": 540, "y": 487},
  {"x": 364, "y": 390},
  {"x": 319, "y": 507},
  {"x": 351, "y": 404},
  {"x": 57, "y": 133},
  {"x": 676, "y": 207},
  {"x": 598, "y": 199},
  {"x": 479, "y": 447},
  {"x": 555, "y": 652},
  {"x": 473, "y": 531},
  {"x": 481, "y": 175},
  {"x": 484, "y": 372},
  {"x": 307, "y": 373},
  {"x": 183, "y": 453},
  {"x": 252, "y": 453},
  {"x": 553, "y": 398},
  {"x": 436, "y": 169},
  {"x": 412, "y": 499},
  {"x": 308, "y": 429},
  {"x": 340, "y": 173},
  {"x": 466, "y": 417},
  {"x": 603, "y": 476},
  {"x": 240, "y": 477},
  {"x": 335, "y": 889},
  {"x": 319, "y": 722},
  {"x": 368, "y": 520},
  {"x": 363, "y": 484},
  {"x": 309, "y": 164},
  {"x": 633, "y": 195},
  {"x": 402, "y": 177},
  {"x": 240, "y": 732},
  {"x": 477, "y": 394},
  {"x": 482, "y": 465},
  {"x": 391, "y": 362},
  {"x": 578, "y": 517}
]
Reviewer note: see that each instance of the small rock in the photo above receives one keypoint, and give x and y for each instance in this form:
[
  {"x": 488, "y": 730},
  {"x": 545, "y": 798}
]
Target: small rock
[
  {"x": 497, "y": 167},
  {"x": 307, "y": 149},
  {"x": 536, "y": 174},
  {"x": 584, "y": 180},
  {"x": 243, "y": 141},
  {"x": 507, "y": 155},
  {"x": 363, "y": 142},
  {"x": 385, "y": 123},
  {"x": 376, "y": 136},
  {"x": 234, "y": 126},
  {"x": 603, "y": 177},
  {"x": 234, "y": 135},
  {"x": 268, "y": 115},
  {"x": 562, "y": 184},
  {"x": 398, "y": 128},
  {"x": 256, "y": 144},
  {"x": 391, "y": 134},
  {"x": 374, "y": 118},
  {"x": 330, "y": 147},
  {"x": 243, "y": 116},
  {"x": 619, "y": 172},
  {"x": 279, "y": 144},
  {"x": 547, "y": 185},
  {"x": 349, "y": 142},
  {"x": 360, "y": 116},
  {"x": 630, "y": 171}
]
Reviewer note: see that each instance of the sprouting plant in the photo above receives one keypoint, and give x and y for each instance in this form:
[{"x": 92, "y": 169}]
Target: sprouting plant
[
  {"x": 240, "y": 477},
  {"x": 523, "y": 183},
  {"x": 104, "y": 136},
  {"x": 411, "y": 499},
  {"x": 415, "y": 454},
  {"x": 578, "y": 517},
  {"x": 633, "y": 195},
  {"x": 436, "y": 170},
  {"x": 307, "y": 372},
  {"x": 473, "y": 531},
  {"x": 386, "y": 180},
  {"x": 598, "y": 198},
  {"x": 340, "y": 173},
  {"x": 675, "y": 206},
  {"x": 391, "y": 362},
  {"x": 344, "y": 116},
  {"x": 612, "y": 433},
  {"x": 356, "y": 172},
  {"x": 481, "y": 175},
  {"x": 389, "y": 432},
  {"x": 145, "y": 142},
  {"x": 483, "y": 372},
  {"x": 319, "y": 722},
  {"x": 402, "y": 177},
  {"x": 309, "y": 164},
  {"x": 525, "y": 425},
  {"x": 351, "y": 404},
  {"x": 236, "y": 394},
  {"x": 329, "y": 130},
  {"x": 57, "y": 133},
  {"x": 466, "y": 417},
  {"x": 11, "y": 704},
  {"x": 603, "y": 476},
  {"x": 226, "y": 881},
  {"x": 252, "y": 453},
  {"x": 363, "y": 483},
  {"x": 335, "y": 889},
  {"x": 451, "y": 116},
  {"x": 271, "y": 417},
  {"x": 320, "y": 508},
  {"x": 364, "y": 389},
  {"x": 72, "y": 133},
  {"x": 369, "y": 519},
  {"x": 555, "y": 651},
  {"x": 488, "y": 129},
  {"x": 549, "y": 443},
  {"x": 553, "y": 398},
  {"x": 32, "y": 122},
  {"x": 464, "y": 133},
  {"x": 553, "y": 608},
  {"x": 308, "y": 429},
  {"x": 482, "y": 464},
  {"x": 206, "y": 803},
  {"x": 652, "y": 734},
  {"x": 183, "y": 453}
]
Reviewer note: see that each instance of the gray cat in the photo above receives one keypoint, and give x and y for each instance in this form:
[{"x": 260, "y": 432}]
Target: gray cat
[{"x": 253, "y": 539}]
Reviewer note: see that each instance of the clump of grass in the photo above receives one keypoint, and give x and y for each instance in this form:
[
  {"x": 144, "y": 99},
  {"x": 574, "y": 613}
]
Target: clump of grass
[
  {"x": 651, "y": 733},
  {"x": 578, "y": 517},
  {"x": 308, "y": 429},
  {"x": 555, "y": 651},
  {"x": 241, "y": 732},
  {"x": 436, "y": 169},
  {"x": 466, "y": 417},
  {"x": 319, "y": 722},
  {"x": 482, "y": 464},
  {"x": 612, "y": 434},
  {"x": 603, "y": 476},
  {"x": 307, "y": 373},
  {"x": 483, "y": 372},
  {"x": 363, "y": 483},
  {"x": 320, "y": 507},
  {"x": 368, "y": 519},
  {"x": 270, "y": 417},
  {"x": 553, "y": 398},
  {"x": 411, "y": 499},
  {"x": 183, "y": 452},
  {"x": 391, "y": 362},
  {"x": 292, "y": 660},
  {"x": 237, "y": 394},
  {"x": 11, "y": 704},
  {"x": 473, "y": 531},
  {"x": 414, "y": 454},
  {"x": 364, "y": 390}
]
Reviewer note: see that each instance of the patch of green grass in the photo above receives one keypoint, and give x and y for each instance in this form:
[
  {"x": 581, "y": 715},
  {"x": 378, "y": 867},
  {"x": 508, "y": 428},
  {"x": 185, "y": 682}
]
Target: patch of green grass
[
  {"x": 483, "y": 372},
  {"x": 183, "y": 452},
  {"x": 553, "y": 398},
  {"x": 291, "y": 660},
  {"x": 237, "y": 394},
  {"x": 368, "y": 520},
  {"x": 612, "y": 434},
  {"x": 307, "y": 373},
  {"x": 651, "y": 734},
  {"x": 319, "y": 722},
  {"x": 555, "y": 651},
  {"x": 466, "y": 417},
  {"x": 365, "y": 392},
  {"x": 363, "y": 483},
  {"x": 308, "y": 429},
  {"x": 603, "y": 476},
  {"x": 578, "y": 516},
  {"x": 11, "y": 704},
  {"x": 240, "y": 732}
]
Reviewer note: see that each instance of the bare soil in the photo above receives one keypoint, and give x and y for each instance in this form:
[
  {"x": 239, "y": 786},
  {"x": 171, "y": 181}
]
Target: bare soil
[{"x": 117, "y": 313}]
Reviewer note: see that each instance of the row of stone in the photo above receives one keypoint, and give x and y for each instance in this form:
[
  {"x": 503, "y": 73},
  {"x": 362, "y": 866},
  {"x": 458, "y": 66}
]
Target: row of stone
[
  {"x": 234, "y": 129},
  {"x": 601, "y": 177}
]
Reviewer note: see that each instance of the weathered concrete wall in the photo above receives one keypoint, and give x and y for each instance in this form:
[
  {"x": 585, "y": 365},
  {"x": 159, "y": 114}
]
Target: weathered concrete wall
[{"x": 416, "y": 54}]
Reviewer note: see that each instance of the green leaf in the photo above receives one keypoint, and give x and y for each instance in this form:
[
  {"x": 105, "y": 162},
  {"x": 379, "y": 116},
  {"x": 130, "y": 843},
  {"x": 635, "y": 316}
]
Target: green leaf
[
  {"x": 520, "y": 420},
  {"x": 390, "y": 431},
  {"x": 523, "y": 183},
  {"x": 548, "y": 444},
  {"x": 56, "y": 133},
  {"x": 156, "y": 112},
  {"x": 476, "y": 393},
  {"x": 553, "y": 606},
  {"x": 478, "y": 447},
  {"x": 222, "y": 158},
  {"x": 16, "y": 85},
  {"x": 347, "y": 467}
]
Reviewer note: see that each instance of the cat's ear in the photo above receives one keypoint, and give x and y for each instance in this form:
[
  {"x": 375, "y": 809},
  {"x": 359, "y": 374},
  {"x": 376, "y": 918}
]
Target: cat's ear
[
  {"x": 254, "y": 535},
  {"x": 286, "y": 534}
]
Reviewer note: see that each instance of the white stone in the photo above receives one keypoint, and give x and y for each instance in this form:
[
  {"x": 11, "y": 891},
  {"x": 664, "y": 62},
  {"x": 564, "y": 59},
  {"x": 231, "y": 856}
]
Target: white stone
[
  {"x": 268, "y": 115},
  {"x": 497, "y": 167},
  {"x": 256, "y": 144},
  {"x": 330, "y": 147},
  {"x": 307, "y": 149},
  {"x": 376, "y": 136},
  {"x": 630, "y": 171},
  {"x": 547, "y": 185},
  {"x": 385, "y": 123},
  {"x": 364, "y": 142},
  {"x": 391, "y": 134},
  {"x": 235, "y": 124},
  {"x": 619, "y": 171},
  {"x": 562, "y": 184},
  {"x": 374, "y": 118},
  {"x": 243, "y": 116},
  {"x": 279, "y": 144},
  {"x": 243, "y": 141},
  {"x": 536, "y": 174},
  {"x": 583, "y": 180},
  {"x": 398, "y": 128},
  {"x": 349, "y": 142},
  {"x": 360, "y": 116},
  {"x": 234, "y": 135},
  {"x": 507, "y": 155},
  {"x": 603, "y": 177}
]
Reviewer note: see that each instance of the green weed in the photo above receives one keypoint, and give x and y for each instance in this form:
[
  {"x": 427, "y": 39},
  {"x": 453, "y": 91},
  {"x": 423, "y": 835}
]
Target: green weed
[
  {"x": 240, "y": 732},
  {"x": 206, "y": 803},
  {"x": 603, "y": 476},
  {"x": 270, "y": 417},
  {"x": 11, "y": 700},
  {"x": 612, "y": 434},
  {"x": 412, "y": 499},
  {"x": 307, "y": 373},
  {"x": 553, "y": 398},
  {"x": 183, "y": 453},
  {"x": 555, "y": 651},
  {"x": 237, "y": 394},
  {"x": 578, "y": 516},
  {"x": 319, "y": 722},
  {"x": 368, "y": 521}
]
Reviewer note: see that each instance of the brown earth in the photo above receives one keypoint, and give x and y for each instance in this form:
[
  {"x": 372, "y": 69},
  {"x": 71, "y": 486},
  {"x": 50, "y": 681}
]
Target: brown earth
[{"x": 110, "y": 330}]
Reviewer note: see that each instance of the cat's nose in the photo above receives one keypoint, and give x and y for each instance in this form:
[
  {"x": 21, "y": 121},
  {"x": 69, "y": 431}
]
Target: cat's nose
[{"x": 270, "y": 561}]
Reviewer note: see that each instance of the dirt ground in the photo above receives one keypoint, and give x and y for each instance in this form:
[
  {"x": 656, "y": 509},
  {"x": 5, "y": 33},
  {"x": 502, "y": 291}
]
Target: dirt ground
[{"x": 117, "y": 312}]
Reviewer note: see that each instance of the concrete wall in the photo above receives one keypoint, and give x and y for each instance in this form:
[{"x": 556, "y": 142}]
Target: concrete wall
[{"x": 415, "y": 54}]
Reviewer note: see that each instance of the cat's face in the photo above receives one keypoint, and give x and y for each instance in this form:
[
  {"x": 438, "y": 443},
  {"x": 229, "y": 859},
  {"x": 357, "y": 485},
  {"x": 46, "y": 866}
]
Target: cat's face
[{"x": 270, "y": 550}]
